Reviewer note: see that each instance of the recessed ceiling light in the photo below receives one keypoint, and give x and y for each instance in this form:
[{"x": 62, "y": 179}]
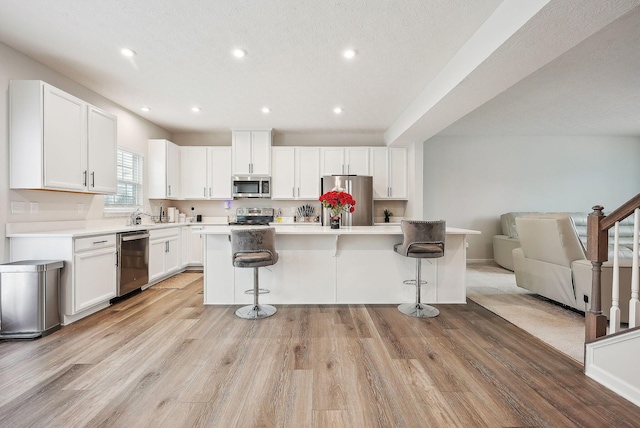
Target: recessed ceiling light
[
  {"x": 128, "y": 52},
  {"x": 239, "y": 53},
  {"x": 266, "y": 110},
  {"x": 349, "y": 53},
  {"x": 145, "y": 109},
  {"x": 195, "y": 109},
  {"x": 337, "y": 110}
]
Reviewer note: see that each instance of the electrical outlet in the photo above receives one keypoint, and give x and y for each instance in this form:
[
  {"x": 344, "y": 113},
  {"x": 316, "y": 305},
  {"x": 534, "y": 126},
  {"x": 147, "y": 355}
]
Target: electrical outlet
[
  {"x": 17, "y": 207},
  {"x": 80, "y": 208},
  {"x": 33, "y": 207}
]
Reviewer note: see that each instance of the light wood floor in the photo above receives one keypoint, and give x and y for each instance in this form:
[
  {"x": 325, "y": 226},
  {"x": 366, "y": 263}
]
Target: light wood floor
[{"x": 162, "y": 359}]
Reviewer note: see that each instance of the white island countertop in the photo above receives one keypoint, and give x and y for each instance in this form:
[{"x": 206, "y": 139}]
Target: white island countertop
[{"x": 326, "y": 230}]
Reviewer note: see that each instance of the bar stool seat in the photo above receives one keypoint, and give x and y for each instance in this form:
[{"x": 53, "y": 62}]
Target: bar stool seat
[
  {"x": 421, "y": 240},
  {"x": 254, "y": 248}
]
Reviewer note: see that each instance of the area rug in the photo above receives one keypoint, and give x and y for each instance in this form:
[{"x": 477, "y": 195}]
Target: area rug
[
  {"x": 495, "y": 289},
  {"x": 179, "y": 281}
]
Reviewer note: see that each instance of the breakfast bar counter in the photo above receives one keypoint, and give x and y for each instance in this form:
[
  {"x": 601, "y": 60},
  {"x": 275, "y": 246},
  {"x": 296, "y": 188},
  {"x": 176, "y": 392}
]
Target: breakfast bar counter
[{"x": 320, "y": 265}]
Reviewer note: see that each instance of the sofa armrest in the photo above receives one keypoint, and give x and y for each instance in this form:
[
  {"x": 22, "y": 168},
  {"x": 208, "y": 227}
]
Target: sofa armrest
[{"x": 502, "y": 250}]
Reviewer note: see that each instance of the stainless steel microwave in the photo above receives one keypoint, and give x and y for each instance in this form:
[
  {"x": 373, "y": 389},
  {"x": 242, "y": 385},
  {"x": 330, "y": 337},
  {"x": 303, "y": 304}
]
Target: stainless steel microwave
[{"x": 251, "y": 186}]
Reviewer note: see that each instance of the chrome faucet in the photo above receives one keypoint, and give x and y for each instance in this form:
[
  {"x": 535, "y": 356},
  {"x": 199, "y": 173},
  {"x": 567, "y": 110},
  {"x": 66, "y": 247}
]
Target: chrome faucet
[{"x": 135, "y": 217}]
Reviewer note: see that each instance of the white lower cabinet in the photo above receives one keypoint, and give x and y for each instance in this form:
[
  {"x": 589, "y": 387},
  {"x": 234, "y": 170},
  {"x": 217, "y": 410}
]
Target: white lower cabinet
[
  {"x": 165, "y": 254},
  {"x": 196, "y": 247},
  {"x": 94, "y": 277},
  {"x": 88, "y": 277}
]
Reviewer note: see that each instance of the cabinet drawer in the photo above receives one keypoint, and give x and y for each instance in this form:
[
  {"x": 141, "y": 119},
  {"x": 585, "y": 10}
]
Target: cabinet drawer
[
  {"x": 94, "y": 242},
  {"x": 168, "y": 232}
]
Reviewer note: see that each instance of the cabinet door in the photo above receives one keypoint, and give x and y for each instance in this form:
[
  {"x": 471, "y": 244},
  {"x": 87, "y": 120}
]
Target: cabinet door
[
  {"x": 219, "y": 172},
  {"x": 101, "y": 151},
  {"x": 261, "y": 152},
  {"x": 95, "y": 278},
  {"x": 157, "y": 250},
  {"x": 357, "y": 160},
  {"x": 241, "y": 152},
  {"x": 173, "y": 255},
  {"x": 65, "y": 140},
  {"x": 184, "y": 245},
  {"x": 173, "y": 171},
  {"x": 307, "y": 173},
  {"x": 283, "y": 184},
  {"x": 380, "y": 172},
  {"x": 196, "y": 248},
  {"x": 194, "y": 173},
  {"x": 398, "y": 174},
  {"x": 332, "y": 161}
]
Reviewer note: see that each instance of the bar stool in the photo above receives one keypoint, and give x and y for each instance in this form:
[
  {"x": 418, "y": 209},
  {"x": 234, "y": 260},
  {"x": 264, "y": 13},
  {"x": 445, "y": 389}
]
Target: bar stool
[
  {"x": 254, "y": 248},
  {"x": 422, "y": 240}
]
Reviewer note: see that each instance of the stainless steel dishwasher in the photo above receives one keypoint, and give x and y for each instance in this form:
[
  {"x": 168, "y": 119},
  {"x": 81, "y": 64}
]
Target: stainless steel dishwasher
[{"x": 133, "y": 260}]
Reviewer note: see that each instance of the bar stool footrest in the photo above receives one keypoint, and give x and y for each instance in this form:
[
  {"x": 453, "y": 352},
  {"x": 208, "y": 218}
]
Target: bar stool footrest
[
  {"x": 413, "y": 282},
  {"x": 260, "y": 291}
]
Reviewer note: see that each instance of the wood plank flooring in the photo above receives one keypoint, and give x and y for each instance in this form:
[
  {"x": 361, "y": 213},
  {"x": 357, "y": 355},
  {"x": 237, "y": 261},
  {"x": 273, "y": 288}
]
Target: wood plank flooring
[{"x": 162, "y": 359}]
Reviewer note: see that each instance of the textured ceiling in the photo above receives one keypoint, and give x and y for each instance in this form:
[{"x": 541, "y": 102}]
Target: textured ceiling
[{"x": 294, "y": 64}]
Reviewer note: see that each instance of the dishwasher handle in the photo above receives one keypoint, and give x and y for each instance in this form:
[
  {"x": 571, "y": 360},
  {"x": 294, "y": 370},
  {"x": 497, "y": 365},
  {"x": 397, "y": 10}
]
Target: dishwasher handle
[{"x": 135, "y": 237}]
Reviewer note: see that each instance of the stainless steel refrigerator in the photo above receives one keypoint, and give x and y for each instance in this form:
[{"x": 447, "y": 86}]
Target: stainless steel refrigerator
[{"x": 361, "y": 188}]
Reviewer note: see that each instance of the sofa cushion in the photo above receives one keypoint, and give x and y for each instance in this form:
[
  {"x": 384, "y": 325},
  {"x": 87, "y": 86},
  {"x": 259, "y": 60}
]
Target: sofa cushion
[
  {"x": 508, "y": 223},
  {"x": 550, "y": 238}
]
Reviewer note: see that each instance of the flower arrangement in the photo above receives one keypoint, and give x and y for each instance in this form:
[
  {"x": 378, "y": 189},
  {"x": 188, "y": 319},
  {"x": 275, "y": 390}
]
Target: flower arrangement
[{"x": 338, "y": 201}]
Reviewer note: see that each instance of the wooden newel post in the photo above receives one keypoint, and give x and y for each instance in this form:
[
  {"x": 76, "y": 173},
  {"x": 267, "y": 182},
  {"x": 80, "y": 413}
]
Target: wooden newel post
[{"x": 597, "y": 253}]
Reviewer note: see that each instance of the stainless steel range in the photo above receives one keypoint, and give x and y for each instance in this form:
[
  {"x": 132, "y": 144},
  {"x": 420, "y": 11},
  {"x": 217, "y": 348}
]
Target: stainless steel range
[{"x": 253, "y": 216}]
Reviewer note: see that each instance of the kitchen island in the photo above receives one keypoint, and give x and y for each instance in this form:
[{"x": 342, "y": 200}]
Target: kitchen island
[{"x": 320, "y": 265}]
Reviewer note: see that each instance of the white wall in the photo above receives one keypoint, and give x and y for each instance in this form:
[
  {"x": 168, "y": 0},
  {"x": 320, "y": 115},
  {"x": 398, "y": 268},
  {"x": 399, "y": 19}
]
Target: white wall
[
  {"x": 133, "y": 133},
  {"x": 470, "y": 181}
]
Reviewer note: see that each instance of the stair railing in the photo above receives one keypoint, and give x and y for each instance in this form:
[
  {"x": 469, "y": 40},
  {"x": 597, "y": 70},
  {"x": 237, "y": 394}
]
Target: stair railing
[{"x": 598, "y": 226}]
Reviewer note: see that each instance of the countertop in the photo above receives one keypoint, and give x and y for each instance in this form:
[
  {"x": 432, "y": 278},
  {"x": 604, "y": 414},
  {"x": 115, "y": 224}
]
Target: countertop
[{"x": 80, "y": 229}]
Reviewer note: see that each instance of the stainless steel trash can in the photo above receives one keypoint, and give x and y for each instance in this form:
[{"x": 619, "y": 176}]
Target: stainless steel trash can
[{"x": 29, "y": 305}]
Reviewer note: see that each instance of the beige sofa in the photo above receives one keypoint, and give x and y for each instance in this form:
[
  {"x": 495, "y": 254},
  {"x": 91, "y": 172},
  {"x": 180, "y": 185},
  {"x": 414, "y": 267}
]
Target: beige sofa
[
  {"x": 503, "y": 245},
  {"x": 551, "y": 261}
]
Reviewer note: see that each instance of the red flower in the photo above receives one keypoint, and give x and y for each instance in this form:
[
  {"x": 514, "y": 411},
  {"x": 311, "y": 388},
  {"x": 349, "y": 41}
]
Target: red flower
[{"x": 337, "y": 202}]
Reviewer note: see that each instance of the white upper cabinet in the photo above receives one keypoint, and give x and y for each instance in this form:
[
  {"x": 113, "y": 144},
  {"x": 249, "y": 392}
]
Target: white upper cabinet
[
  {"x": 194, "y": 172},
  {"x": 295, "y": 173},
  {"x": 344, "y": 160},
  {"x": 251, "y": 152},
  {"x": 283, "y": 177},
  {"x": 164, "y": 169},
  {"x": 219, "y": 172},
  {"x": 102, "y": 163},
  {"x": 206, "y": 172},
  {"x": 307, "y": 172},
  {"x": 58, "y": 141},
  {"x": 390, "y": 176}
]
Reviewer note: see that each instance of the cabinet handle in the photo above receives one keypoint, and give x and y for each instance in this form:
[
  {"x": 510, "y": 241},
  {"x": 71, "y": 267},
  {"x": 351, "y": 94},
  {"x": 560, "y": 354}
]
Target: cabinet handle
[
  {"x": 298, "y": 192},
  {"x": 99, "y": 242},
  {"x": 84, "y": 178},
  {"x": 166, "y": 247},
  {"x": 342, "y": 168},
  {"x": 117, "y": 258},
  {"x": 209, "y": 191},
  {"x": 93, "y": 179},
  {"x": 169, "y": 190},
  {"x": 204, "y": 192},
  {"x": 293, "y": 192}
]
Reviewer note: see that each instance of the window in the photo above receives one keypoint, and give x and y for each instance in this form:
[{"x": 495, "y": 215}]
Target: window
[{"x": 129, "y": 172}]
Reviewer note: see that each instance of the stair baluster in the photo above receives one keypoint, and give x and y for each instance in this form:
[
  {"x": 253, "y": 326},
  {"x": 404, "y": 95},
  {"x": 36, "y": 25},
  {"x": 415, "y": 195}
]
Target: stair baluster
[
  {"x": 634, "y": 303},
  {"x": 614, "y": 312}
]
